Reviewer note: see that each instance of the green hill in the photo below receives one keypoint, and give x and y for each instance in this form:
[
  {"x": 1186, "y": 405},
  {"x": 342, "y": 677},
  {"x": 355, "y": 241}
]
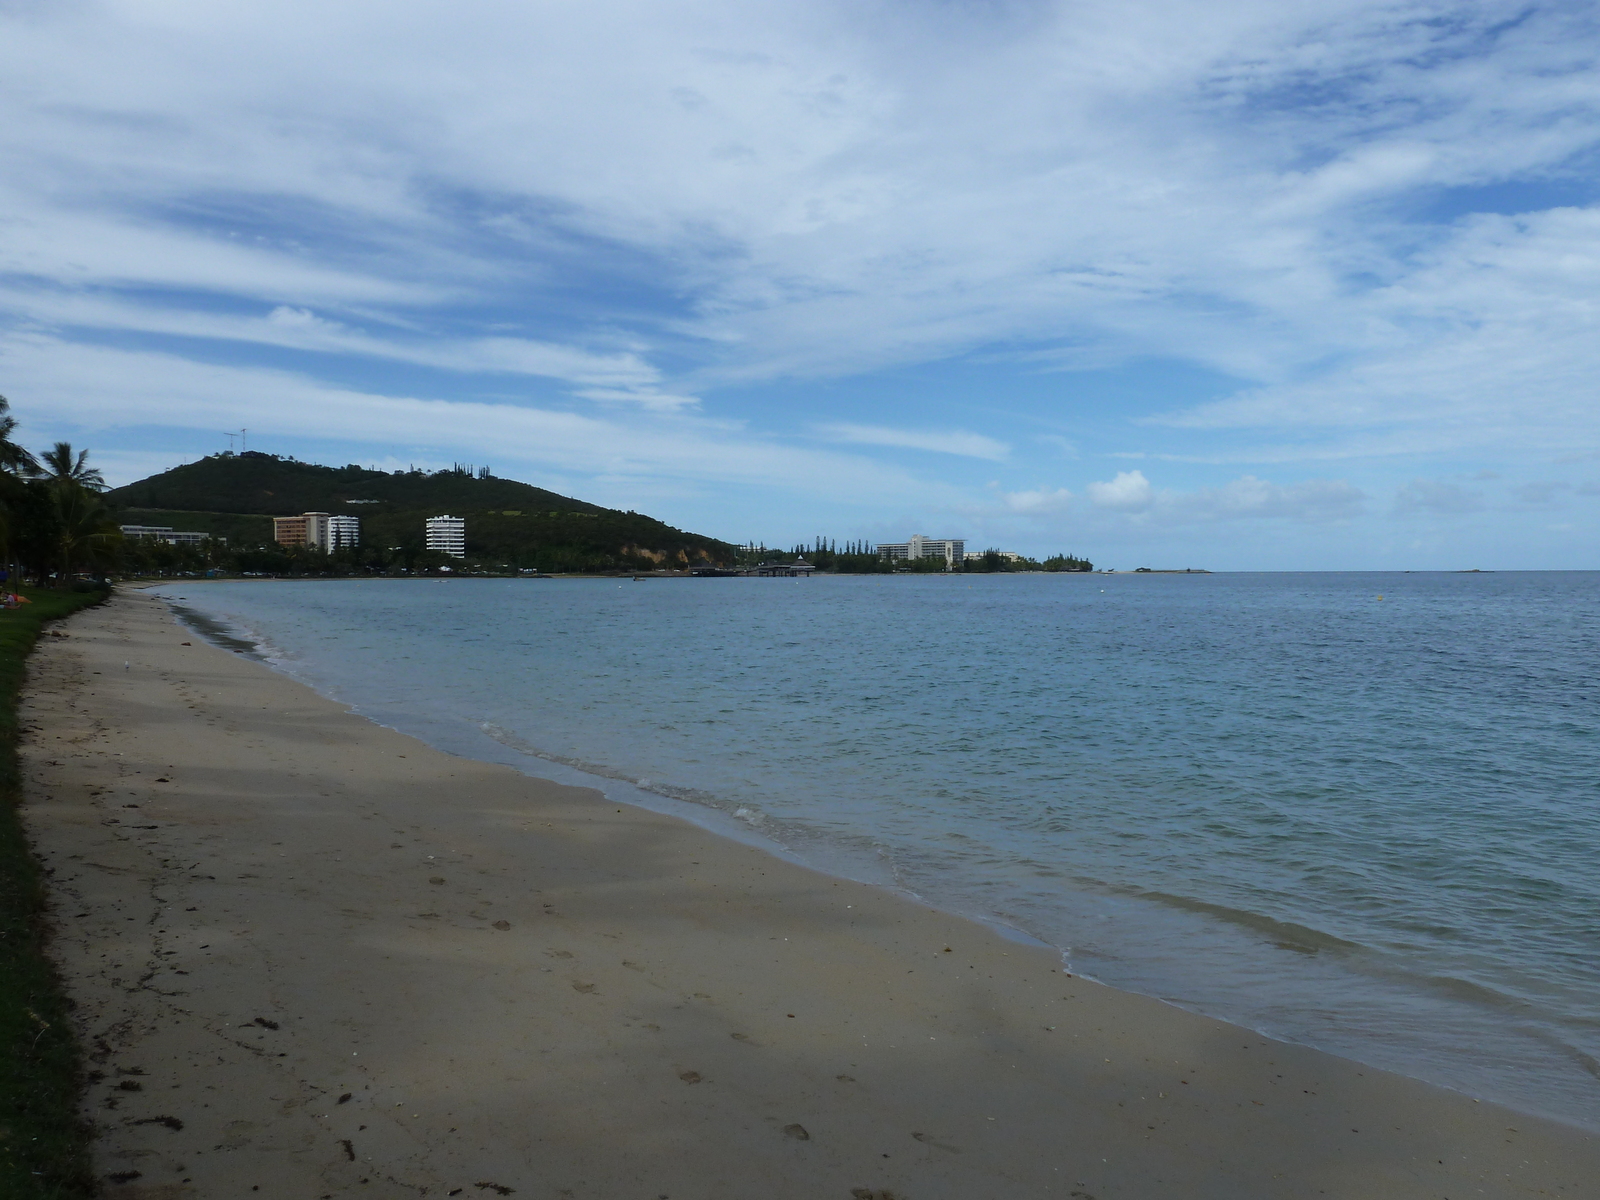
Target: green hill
[
  {"x": 509, "y": 523},
  {"x": 281, "y": 487}
]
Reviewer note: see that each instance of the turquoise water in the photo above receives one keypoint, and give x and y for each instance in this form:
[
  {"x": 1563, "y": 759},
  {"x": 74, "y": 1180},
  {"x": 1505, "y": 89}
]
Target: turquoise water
[{"x": 1360, "y": 812}]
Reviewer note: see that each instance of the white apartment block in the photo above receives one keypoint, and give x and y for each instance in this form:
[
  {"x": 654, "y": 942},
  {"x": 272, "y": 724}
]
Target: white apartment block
[
  {"x": 344, "y": 531},
  {"x": 952, "y": 550},
  {"x": 448, "y": 535}
]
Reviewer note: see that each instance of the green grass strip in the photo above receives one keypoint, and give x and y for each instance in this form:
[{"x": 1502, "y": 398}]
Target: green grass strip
[{"x": 44, "y": 1142}]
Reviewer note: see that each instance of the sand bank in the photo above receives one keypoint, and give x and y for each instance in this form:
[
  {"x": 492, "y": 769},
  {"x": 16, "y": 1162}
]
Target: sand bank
[{"x": 314, "y": 958}]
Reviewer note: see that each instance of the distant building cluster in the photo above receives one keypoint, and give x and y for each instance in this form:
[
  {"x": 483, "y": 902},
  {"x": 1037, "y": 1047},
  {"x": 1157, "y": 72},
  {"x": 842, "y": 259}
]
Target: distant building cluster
[
  {"x": 320, "y": 531},
  {"x": 165, "y": 533},
  {"x": 952, "y": 550},
  {"x": 317, "y": 530}
]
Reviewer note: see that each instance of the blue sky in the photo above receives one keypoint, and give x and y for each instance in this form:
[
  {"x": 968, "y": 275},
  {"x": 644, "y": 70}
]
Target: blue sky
[{"x": 1250, "y": 286}]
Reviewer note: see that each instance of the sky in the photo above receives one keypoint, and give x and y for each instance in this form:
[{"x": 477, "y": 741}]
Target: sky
[{"x": 1268, "y": 285}]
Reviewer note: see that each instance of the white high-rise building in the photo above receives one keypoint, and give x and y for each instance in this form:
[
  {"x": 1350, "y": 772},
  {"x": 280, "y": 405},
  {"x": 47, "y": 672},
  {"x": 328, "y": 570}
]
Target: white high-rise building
[
  {"x": 448, "y": 535},
  {"x": 952, "y": 550},
  {"x": 344, "y": 531}
]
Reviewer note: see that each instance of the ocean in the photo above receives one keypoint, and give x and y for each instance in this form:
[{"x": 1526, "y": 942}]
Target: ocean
[{"x": 1356, "y": 811}]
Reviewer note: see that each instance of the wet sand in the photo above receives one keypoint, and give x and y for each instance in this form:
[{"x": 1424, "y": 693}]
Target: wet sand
[{"x": 315, "y": 958}]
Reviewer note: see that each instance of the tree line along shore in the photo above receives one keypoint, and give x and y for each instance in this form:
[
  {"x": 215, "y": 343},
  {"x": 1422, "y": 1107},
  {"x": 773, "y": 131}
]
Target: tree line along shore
[{"x": 215, "y": 517}]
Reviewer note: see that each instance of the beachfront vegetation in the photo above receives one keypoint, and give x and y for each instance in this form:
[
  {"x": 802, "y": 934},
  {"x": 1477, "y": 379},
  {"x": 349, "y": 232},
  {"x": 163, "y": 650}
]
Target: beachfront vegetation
[
  {"x": 862, "y": 558},
  {"x": 53, "y": 514},
  {"x": 43, "y": 1140}
]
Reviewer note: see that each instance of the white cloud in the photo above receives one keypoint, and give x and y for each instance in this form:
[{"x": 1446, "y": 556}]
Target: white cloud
[
  {"x": 298, "y": 318},
  {"x": 99, "y": 389},
  {"x": 1488, "y": 346},
  {"x": 1436, "y": 496},
  {"x": 834, "y": 187},
  {"x": 1129, "y": 492},
  {"x": 1542, "y": 492},
  {"x": 616, "y": 377},
  {"x": 644, "y": 205},
  {"x": 644, "y": 397},
  {"x": 948, "y": 441},
  {"x": 1131, "y": 495},
  {"x": 1039, "y": 501},
  {"x": 1313, "y": 500}
]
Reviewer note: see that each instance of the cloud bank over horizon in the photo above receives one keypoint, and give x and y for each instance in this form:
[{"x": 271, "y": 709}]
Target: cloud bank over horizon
[{"x": 1281, "y": 285}]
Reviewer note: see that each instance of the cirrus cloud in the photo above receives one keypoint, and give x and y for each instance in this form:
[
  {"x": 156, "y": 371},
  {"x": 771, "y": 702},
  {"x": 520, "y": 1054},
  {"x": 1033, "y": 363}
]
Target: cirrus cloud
[{"x": 947, "y": 441}]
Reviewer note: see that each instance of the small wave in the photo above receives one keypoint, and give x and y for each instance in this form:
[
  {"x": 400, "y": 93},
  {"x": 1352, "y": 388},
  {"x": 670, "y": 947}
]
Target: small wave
[
  {"x": 512, "y": 742},
  {"x": 1286, "y": 935}
]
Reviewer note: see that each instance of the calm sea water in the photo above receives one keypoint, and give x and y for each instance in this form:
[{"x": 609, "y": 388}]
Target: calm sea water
[{"x": 1360, "y": 812}]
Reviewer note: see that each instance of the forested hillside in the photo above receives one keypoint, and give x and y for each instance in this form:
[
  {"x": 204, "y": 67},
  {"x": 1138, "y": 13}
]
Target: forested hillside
[
  {"x": 266, "y": 484},
  {"x": 509, "y": 524}
]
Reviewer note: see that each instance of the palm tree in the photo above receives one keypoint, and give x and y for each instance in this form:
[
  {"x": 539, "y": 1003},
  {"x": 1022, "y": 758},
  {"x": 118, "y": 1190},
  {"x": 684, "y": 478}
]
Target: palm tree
[
  {"x": 16, "y": 465},
  {"x": 62, "y": 470},
  {"x": 83, "y": 522},
  {"x": 14, "y": 460},
  {"x": 83, "y": 525}
]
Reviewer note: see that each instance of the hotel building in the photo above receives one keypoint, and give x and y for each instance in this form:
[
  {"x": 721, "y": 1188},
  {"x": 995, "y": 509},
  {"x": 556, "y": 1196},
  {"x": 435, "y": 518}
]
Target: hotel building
[
  {"x": 311, "y": 529},
  {"x": 952, "y": 550},
  {"x": 448, "y": 535}
]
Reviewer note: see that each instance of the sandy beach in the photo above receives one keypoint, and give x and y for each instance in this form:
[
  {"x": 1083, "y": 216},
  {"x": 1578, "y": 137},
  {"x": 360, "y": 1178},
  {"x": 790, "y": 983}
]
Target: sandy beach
[{"x": 314, "y": 958}]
